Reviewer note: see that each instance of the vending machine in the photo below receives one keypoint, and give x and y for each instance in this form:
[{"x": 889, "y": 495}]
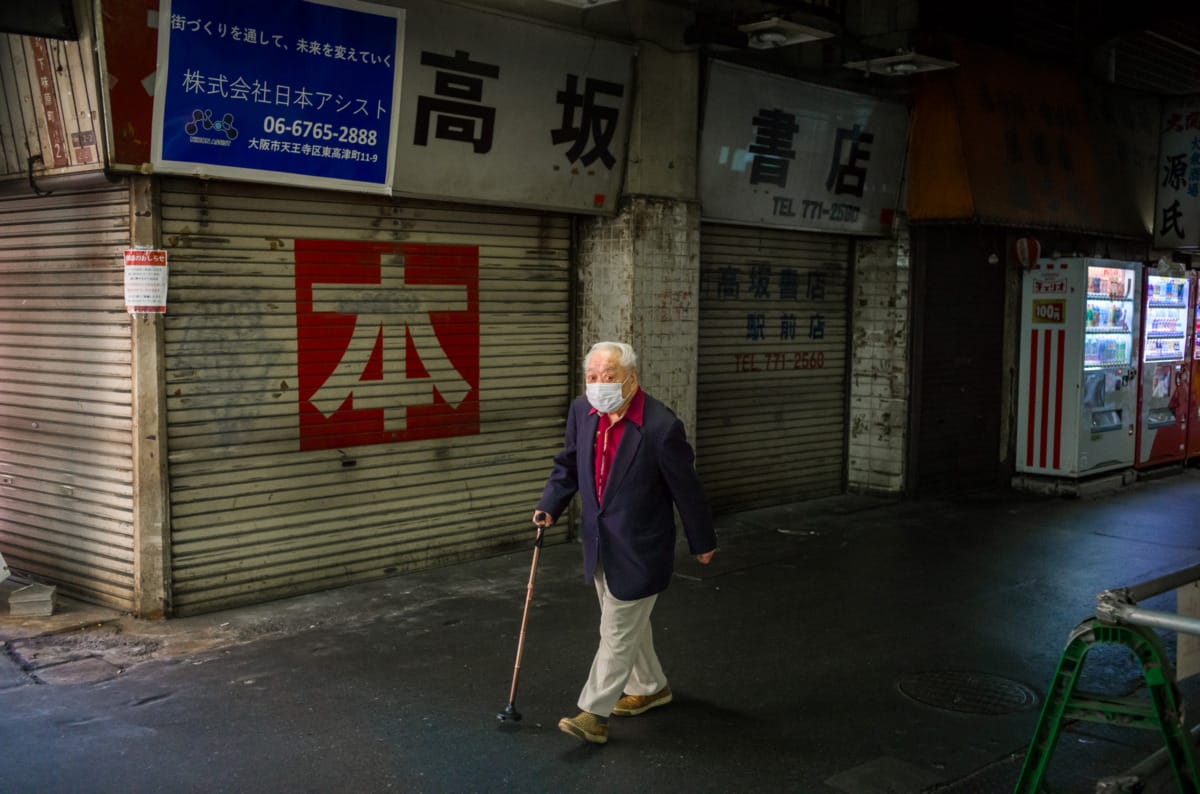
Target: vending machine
[
  {"x": 1193, "y": 430},
  {"x": 1165, "y": 372},
  {"x": 1077, "y": 395}
]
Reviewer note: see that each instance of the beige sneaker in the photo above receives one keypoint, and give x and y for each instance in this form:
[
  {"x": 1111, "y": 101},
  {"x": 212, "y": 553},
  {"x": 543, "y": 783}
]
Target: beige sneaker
[
  {"x": 585, "y": 726},
  {"x": 632, "y": 705}
]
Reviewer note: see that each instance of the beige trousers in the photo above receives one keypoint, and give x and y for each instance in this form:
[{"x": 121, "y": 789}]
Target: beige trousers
[{"x": 625, "y": 661}]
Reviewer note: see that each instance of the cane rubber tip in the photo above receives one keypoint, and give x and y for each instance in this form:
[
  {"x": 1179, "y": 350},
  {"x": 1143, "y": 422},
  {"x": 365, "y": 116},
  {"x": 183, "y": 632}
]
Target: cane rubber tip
[{"x": 509, "y": 713}]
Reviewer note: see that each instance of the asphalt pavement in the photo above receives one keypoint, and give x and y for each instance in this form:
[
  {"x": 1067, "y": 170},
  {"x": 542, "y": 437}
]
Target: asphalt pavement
[{"x": 852, "y": 644}]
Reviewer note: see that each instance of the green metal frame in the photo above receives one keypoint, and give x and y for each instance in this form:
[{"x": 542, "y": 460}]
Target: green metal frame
[{"x": 1162, "y": 711}]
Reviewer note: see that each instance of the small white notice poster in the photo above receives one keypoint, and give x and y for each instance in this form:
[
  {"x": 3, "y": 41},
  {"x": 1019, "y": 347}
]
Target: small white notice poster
[{"x": 145, "y": 281}]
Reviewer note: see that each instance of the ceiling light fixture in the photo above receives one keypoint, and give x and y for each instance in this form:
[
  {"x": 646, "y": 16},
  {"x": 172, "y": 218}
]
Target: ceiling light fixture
[
  {"x": 582, "y": 3},
  {"x": 768, "y": 38},
  {"x": 901, "y": 64},
  {"x": 777, "y": 32}
]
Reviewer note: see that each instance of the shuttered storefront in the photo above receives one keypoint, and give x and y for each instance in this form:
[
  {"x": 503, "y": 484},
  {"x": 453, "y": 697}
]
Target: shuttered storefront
[
  {"x": 301, "y": 325},
  {"x": 772, "y": 389},
  {"x": 66, "y": 481}
]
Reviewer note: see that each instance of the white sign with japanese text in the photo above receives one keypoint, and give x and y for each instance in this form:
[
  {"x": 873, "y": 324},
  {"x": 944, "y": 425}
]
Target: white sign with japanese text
[
  {"x": 782, "y": 153},
  {"x": 1177, "y": 211},
  {"x": 145, "y": 281},
  {"x": 511, "y": 112}
]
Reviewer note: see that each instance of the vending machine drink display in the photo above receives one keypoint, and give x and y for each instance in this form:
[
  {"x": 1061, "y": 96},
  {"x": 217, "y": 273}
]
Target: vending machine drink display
[
  {"x": 1165, "y": 371},
  {"x": 1193, "y": 412},
  {"x": 1077, "y": 397}
]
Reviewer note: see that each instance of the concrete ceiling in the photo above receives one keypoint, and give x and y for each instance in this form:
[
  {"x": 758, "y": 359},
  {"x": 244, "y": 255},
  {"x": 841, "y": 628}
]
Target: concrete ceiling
[
  {"x": 1151, "y": 46},
  {"x": 1148, "y": 46}
]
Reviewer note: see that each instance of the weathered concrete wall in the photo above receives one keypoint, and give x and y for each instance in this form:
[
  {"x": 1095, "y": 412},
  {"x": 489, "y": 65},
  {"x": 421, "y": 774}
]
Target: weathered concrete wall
[
  {"x": 639, "y": 272},
  {"x": 879, "y": 365},
  {"x": 639, "y": 283},
  {"x": 664, "y": 131}
]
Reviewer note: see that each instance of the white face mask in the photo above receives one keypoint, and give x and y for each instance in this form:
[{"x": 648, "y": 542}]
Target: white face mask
[{"x": 606, "y": 397}]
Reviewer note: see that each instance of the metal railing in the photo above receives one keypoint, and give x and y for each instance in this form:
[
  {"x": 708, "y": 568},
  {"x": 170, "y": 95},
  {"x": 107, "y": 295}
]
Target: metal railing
[
  {"x": 1120, "y": 621},
  {"x": 1121, "y": 605}
]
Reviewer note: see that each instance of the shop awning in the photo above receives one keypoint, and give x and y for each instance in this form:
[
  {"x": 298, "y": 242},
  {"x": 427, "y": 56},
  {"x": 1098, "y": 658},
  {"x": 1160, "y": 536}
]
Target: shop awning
[{"x": 1008, "y": 142}]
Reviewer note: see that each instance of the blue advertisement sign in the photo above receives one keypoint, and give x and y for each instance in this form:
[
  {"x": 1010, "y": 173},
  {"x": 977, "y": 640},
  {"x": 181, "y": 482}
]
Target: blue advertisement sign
[{"x": 292, "y": 91}]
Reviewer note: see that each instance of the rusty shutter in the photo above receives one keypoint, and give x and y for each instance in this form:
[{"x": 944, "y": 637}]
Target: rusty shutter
[
  {"x": 772, "y": 388},
  {"x": 271, "y": 493},
  {"x": 66, "y": 481},
  {"x": 48, "y": 104}
]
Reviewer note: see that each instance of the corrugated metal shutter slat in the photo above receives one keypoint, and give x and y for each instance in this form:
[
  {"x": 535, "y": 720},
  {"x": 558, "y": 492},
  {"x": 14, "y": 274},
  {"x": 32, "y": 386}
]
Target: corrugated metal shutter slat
[
  {"x": 770, "y": 418},
  {"x": 66, "y": 505}
]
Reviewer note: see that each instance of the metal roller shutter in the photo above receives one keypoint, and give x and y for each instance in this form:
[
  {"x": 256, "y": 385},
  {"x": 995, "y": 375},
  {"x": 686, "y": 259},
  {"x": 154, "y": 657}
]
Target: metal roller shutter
[
  {"x": 772, "y": 388},
  {"x": 271, "y": 496},
  {"x": 66, "y": 480}
]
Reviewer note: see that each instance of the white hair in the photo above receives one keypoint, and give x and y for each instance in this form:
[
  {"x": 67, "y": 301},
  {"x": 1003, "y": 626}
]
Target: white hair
[{"x": 625, "y": 355}]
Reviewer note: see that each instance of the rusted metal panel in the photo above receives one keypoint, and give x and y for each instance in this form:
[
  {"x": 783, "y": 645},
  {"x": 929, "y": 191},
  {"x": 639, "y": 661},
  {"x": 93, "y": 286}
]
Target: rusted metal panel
[
  {"x": 1010, "y": 142},
  {"x": 939, "y": 186},
  {"x": 66, "y": 488},
  {"x": 772, "y": 385},
  {"x": 49, "y": 107},
  {"x": 276, "y": 489}
]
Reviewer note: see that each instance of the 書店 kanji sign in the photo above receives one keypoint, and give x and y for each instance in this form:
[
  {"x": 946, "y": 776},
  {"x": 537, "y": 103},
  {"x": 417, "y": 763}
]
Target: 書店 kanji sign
[{"x": 783, "y": 153}]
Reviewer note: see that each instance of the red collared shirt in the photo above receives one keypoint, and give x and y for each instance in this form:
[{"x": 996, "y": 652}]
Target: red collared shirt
[{"x": 608, "y": 439}]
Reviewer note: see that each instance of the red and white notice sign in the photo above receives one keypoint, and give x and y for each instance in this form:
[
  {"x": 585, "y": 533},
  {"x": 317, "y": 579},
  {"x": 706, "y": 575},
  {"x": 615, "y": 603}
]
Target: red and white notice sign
[{"x": 145, "y": 281}]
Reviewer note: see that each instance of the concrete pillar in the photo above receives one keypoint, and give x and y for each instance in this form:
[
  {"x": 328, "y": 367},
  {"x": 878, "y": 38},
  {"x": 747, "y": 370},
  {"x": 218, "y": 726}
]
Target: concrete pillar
[
  {"x": 151, "y": 502},
  {"x": 639, "y": 283},
  {"x": 879, "y": 364},
  {"x": 640, "y": 270}
]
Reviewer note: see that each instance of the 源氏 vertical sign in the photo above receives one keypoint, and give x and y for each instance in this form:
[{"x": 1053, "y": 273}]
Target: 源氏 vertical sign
[{"x": 1177, "y": 214}]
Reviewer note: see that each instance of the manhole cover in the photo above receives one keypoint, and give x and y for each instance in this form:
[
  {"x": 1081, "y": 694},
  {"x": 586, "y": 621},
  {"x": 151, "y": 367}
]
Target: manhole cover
[{"x": 971, "y": 693}]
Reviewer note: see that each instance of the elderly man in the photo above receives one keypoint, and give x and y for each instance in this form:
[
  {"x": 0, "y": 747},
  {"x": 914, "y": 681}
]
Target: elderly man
[{"x": 627, "y": 456}]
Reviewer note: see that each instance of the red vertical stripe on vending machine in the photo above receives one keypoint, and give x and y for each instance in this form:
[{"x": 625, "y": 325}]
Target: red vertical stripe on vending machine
[
  {"x": 1045, "y": 401},
  {"x": 1058, "y": 398},
  {"x": 1031, "y": 417}
]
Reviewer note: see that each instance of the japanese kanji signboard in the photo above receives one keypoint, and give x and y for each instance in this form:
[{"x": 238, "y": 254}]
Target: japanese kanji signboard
[
  {"x": 1177, "y": 215},
  {"x": 297, "y": 91},
  {"x": 387, "y": 340},
  {"x": 423, "y": 99},
  {"x": 779, "y": 152},
  {"x": 510, "y": 112}
]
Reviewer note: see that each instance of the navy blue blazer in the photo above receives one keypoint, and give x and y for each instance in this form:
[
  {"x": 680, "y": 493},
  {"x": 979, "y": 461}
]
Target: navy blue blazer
[{"x": 634, "y": 532}]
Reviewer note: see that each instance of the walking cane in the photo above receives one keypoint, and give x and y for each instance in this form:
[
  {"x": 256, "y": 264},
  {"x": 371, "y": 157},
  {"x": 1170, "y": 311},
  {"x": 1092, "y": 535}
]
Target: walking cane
[{"x": 510, "y": 711}]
